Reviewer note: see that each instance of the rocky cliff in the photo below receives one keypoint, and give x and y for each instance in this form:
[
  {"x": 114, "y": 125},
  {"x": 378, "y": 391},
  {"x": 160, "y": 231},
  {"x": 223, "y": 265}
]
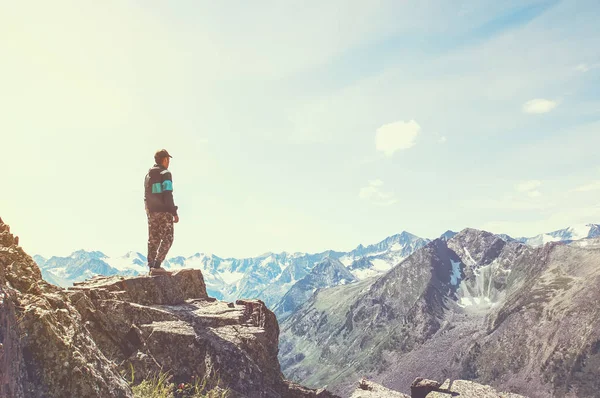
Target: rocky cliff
[{"x": 78, "y": 342}]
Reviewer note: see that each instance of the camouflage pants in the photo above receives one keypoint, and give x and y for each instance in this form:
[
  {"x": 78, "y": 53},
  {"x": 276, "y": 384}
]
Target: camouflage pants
[{"x": 160, "y": 237}]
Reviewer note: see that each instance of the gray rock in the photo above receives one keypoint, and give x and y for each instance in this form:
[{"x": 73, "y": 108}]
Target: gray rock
[
  {"x": 421, "y": 387},
  {"x": 469, "y": 389},
  {"x": 76, "y": 342},
  {"x": 47, "y": 351},
  {"x": 368, "y": 389}
]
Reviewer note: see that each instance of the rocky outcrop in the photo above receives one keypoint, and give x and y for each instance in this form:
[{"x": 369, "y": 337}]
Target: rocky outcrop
[
  {"x": 78, "y": 342},
  {"x": 46, "y": 349},
  {"x": 424, "y": 388},
  {"x": 168, "y": 323},
  {"x": 11, "y": 355}
]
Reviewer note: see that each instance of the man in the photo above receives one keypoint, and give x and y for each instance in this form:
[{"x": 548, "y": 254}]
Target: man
[{"x": 161, "y": 211}]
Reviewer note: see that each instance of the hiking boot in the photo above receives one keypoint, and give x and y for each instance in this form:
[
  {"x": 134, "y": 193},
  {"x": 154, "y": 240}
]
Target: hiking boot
[{"x": 159, "y": 271}]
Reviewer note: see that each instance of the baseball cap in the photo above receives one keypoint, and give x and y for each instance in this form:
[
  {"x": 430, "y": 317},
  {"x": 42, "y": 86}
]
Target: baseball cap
[{"x": 162, "y": 153}]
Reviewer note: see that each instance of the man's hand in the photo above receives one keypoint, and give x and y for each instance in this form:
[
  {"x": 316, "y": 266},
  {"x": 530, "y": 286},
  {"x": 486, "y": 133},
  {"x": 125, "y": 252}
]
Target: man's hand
[{"x": 176, "y": 219}]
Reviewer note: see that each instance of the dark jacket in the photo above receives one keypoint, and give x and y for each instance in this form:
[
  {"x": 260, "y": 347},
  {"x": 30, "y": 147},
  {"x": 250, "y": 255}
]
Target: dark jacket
[{"x": 158, "y": 187}]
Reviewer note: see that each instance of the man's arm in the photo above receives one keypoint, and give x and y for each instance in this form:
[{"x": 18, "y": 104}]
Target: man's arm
[{"x": 167, "y": 191}]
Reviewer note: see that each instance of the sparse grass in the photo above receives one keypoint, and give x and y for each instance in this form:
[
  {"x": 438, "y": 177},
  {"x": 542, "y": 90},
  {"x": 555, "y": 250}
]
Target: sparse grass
[
  {"x": 160, "y": 386},
  {"x": 157, "y": 387}
]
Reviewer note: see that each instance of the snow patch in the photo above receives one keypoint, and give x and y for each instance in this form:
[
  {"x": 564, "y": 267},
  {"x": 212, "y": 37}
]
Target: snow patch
[
  {"x": 475, "y": 302},
  {"x": 126, "y": 263},
  {"x": 267, "y": 261},
  {"x": 381, "y": 265},
  {"x": 361, "y": 274},
  {"x": 580, "y": 231},
  {"x": 347, "y": 260},
  {"x": 230, "y": 277},
  {"x": 455, "y": 276},
  {"x": 60, "y": 272},
  {"x": 473, "y": 262},
  {"x": 549, "y": 238},
  {"x": 480, "y": 293},
  {"x": 396, "y": 247},
  {"x": 196, "y": 262}
]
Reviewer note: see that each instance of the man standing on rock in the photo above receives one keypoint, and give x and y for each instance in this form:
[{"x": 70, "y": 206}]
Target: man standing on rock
[{"x": 161, "y": 211}]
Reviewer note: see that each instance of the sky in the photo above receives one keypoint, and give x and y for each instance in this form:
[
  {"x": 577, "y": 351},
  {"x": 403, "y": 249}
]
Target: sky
[{"x": 297, "y": 126}]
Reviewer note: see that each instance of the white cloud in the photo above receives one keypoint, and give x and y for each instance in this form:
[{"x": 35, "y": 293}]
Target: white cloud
[
  {"x": 528, "y": 186},
  {"x": 442, "y": 139},
  {"x": 593, "y": 186},
  {"x": 539, "y": 105},
  {"x": 395, "y": 136},
  {"x": 582, "y": 67},
  {"x": 375, "y": 195},
  {"x": 586, "y": 67}
]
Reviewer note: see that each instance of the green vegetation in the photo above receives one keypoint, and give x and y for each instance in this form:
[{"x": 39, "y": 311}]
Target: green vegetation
[{"x": 160, "y": 386}]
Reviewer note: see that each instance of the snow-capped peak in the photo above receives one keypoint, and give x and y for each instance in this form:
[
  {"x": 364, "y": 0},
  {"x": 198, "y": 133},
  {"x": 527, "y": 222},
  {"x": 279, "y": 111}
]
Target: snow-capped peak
[
  {"x": 572, "y": 233},
  {"x": 580, "y": 231},
  {"x": 97, "y": 255},
  {"x": 129, "y": 262},
  {"x": 267, "y": 260},
  {"x": 203, "y": 255},
  {"x": 133, "y": 255}
]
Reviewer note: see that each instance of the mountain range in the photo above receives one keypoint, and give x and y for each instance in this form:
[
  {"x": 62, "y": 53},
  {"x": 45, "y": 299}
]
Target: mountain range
[
  {"x": 474, "y": 306},
  {"x": 283, "y": 281},
  {"x": 268, "y": 277}
]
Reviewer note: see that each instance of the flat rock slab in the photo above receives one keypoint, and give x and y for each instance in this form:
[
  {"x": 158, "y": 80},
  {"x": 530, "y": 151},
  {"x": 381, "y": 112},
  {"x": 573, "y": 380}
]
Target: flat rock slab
[{"x": 161, "y": 289}]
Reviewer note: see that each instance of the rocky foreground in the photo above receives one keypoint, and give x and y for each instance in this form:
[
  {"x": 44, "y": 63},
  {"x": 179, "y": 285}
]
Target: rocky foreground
[
  {"x": 78, "y": 342},
  {"x": 86, "y": 340}
]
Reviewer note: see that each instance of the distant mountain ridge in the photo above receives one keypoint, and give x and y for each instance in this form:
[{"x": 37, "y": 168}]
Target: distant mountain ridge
[
  {"x": 329, "y": 272},
  {"x": 271, "y": 275},
  {"x": 576, "y": 232},
  {"x": 268, "y": 277}
]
